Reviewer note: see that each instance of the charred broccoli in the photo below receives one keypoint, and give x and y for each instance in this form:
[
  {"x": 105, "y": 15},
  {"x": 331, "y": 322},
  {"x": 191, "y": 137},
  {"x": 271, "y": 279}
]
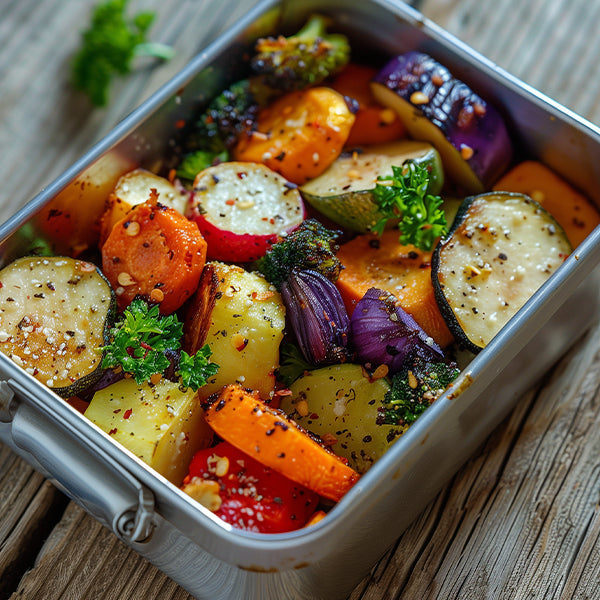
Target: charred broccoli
[
  {"x": 229, "y": 115},
  {"x": 279, "y": 65},
  {"x": 306, "y": 58},
  {"x": 310, "y": 246},
  {"x": 414, "y": 388},
  {"x": 197, "y": 161}
]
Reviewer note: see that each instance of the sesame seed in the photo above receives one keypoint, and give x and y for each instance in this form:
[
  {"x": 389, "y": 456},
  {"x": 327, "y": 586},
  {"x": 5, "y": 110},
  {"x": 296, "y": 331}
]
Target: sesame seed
[
  {"x": 133, "y": 228},
  {"x": 157, "y": 295},
  {"x": 125, "y": 279},
  {"x": 419, "y": 98}
]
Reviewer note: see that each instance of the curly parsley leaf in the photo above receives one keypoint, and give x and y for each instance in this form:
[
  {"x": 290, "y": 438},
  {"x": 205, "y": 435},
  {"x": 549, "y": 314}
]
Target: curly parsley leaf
[
  {"x": 404, "y": 195},
  {"x": 292, "y": 363},
  {"x": 109, "y": 46},
  {"x": 140, "y": 341},
  {"x": 196, "y": 370}
]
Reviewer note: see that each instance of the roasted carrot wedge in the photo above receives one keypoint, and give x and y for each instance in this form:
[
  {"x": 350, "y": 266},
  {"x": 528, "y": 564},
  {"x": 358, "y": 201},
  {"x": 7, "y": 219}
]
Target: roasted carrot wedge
[
  {"x": 405, "y": 271},
  {"x": 299, "y": 135},
  {"x": 269, "y": 436},
  {"x": 374, "y": 124},
  {"x": 573, "y": 211},
  {"x": 154, "y": 252}
]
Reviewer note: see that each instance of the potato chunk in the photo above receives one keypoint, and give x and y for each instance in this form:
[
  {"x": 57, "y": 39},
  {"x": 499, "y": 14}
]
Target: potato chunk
[
  {"x": 245, "y": 330},
  {"x": 161, "y": 424},
  {"x": 132, "y": 189}
]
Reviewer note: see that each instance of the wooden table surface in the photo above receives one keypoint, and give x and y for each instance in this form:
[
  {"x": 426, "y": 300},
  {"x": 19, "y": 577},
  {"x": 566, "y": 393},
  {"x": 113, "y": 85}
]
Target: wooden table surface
[{"x": 520, "y": 520}]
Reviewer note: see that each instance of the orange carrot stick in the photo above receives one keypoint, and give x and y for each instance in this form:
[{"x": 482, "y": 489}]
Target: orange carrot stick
[{"x": 273, "y": 439}]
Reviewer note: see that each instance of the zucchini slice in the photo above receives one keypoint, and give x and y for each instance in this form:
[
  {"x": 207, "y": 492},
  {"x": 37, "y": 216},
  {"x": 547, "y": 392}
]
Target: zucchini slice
[
  {"x": 343, "y": 193},
  {"x": 55, "y": 313},
  {"x": 502, "y": 247}
]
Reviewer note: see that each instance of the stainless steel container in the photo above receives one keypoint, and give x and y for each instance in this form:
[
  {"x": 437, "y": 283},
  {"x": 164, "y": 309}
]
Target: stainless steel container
[{"x": 203, "y": 554}]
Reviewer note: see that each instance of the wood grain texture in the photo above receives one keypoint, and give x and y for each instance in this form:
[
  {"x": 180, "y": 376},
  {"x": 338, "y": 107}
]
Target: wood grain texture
[{"x": 520, "y": 519}]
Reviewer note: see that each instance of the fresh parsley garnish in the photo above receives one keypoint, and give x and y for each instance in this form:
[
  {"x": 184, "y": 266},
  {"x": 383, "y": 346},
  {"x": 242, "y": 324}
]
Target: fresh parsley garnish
[
  {"x": 404, "y": 196},
  {"x": 196, "y": 370},
  {"x": 292, "y": 363},
  {"x": 109, "y": 46},
  {"x": 140, "y": 341}
]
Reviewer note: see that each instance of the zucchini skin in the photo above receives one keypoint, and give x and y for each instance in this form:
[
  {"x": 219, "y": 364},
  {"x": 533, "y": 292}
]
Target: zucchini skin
[
  {"x": 483, "y": 274},
  {"x": 344, "y": 193},
  {"x": 55, "y": 314}
]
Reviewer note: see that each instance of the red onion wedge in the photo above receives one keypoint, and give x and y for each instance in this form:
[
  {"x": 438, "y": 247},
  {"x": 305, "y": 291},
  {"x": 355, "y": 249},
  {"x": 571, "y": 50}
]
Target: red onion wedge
[
  {"x": 383, "y": 333},
  {"x": 318, "y": 316}
]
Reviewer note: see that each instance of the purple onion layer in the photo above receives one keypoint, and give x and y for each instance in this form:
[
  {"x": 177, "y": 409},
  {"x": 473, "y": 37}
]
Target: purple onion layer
[
  {"x": 317, "y": 315},
  {"x": 383, "y": 333}
]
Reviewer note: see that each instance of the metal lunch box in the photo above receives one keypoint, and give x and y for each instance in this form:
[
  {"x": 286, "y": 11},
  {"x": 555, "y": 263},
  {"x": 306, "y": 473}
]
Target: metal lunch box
[{"x": 186, "y": 541}]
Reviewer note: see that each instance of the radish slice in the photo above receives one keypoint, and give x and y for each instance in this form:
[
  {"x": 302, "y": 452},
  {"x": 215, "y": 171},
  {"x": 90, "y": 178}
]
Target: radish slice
[
  {"x": 243, "y": 208},
  {"x": 436, "y": 107}
]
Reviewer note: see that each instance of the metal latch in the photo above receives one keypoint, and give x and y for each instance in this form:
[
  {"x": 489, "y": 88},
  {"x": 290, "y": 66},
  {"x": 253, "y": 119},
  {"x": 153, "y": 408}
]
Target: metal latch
[
  {"x": 137, "y": 525},
  {"x": 6, "y": 402}
]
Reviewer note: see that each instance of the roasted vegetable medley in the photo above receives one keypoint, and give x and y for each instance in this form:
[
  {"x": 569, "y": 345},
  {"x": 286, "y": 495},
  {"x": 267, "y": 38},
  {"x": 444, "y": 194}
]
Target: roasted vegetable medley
[{"x": 261, "y": 322}]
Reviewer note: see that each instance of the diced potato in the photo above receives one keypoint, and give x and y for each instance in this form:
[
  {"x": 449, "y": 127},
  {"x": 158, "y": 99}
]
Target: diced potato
[
  {"x": 134, "y": 188},
  {"x": 339, "y": 403},
  {"x": 246, "y": 328},
  {"x": 70, "y": 220},
  {"x": 161, "y": 424}
]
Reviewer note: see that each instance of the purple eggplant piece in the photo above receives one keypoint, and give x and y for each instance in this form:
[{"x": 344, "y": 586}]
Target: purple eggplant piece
[
  {"x": 383, "y": 333},
  {"x": 318, "y": 316},
  {"x": 436, "y": 107}
]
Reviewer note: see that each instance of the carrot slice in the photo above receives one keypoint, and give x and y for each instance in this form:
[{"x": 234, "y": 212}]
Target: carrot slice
[
  {"x": 573, "y": 211},
  {"x": 154, "y": 252},
  {"x": 299, "y": 135},
  {"x": 405, "y": 271},
  {"x": 374, "y": 124},
  {"x": 269, "y": 436}
]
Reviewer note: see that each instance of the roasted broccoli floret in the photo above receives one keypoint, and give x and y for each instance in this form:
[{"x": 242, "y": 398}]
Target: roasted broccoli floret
[
  {"x": 306, "y": 58},
  {"x": 310, "y": 246},
  {"x": 414, "y": 388},
  {"x": 229, "y": 115},
  {"x": 197, "y": 161}
]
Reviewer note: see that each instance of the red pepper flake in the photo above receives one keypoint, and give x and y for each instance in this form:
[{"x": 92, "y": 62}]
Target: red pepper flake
[
  {"x": 112, "y": 431},
  {"x": 127, "y": 413},
  {"x": 230, "y": 202},
  {"x": 116, "y": 412}
]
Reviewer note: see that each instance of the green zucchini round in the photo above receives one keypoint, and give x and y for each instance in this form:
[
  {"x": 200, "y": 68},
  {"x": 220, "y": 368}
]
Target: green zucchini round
[
  {"x": 501, "y": 248},
  {"x": 343, "y": 193},
  {"x": 55, "y": 315}
]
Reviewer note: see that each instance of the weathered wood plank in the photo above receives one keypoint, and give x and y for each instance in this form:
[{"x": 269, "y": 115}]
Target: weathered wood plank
[
  {"x": 29, "y": 507},
  {"x": 553, "y": 45}
]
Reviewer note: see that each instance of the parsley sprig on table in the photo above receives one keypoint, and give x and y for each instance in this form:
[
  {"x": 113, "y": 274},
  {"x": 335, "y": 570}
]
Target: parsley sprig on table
[
  {"x": 140, "y": 343},
  {"x": 109, "y": 46},
  {"x": 403, "y": 195}
]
